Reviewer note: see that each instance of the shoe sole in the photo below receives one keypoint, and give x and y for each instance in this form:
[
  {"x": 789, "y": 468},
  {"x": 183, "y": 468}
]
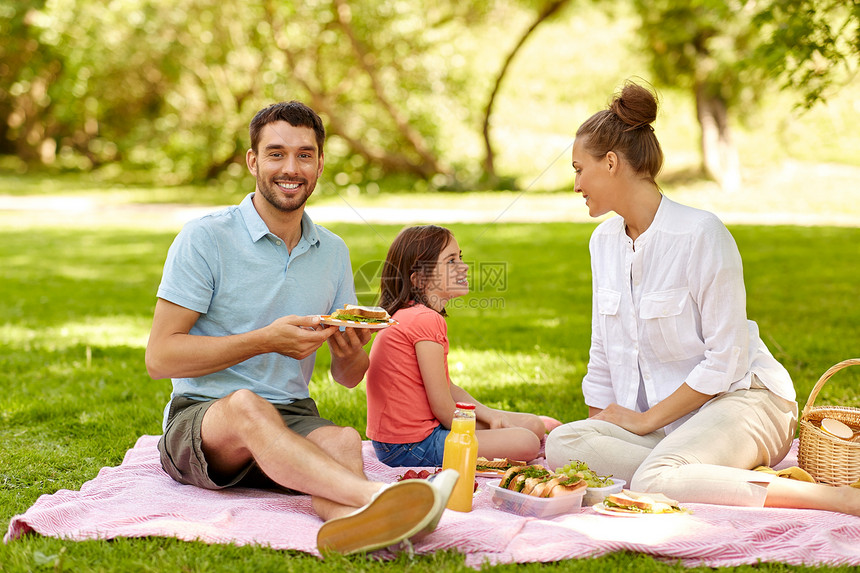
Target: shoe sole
[{"x": 395, "y": 515}]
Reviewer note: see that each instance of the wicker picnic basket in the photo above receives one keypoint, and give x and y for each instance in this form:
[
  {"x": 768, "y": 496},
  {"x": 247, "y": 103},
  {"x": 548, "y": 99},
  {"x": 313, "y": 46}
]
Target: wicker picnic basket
[{"x": 829, "y": 459}]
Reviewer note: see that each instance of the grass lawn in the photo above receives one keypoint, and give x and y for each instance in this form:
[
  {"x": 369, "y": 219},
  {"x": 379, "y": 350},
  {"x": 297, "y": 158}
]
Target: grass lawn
[{"x": 75, "y": 308}]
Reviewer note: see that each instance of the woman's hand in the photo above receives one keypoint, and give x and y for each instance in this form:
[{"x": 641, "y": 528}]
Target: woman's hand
[
  {"x": 630, "y": 420},
  {"x": 679, "y": 403}
]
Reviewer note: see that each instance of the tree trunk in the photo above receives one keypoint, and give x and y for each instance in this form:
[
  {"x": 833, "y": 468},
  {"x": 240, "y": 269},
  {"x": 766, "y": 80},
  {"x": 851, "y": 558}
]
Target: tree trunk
[
  {"x": 322, "y": 100},
  {"x": 720, "y": 159},
  {"x": 489, "y": 155},
  {"x": 429, "y": 164}
]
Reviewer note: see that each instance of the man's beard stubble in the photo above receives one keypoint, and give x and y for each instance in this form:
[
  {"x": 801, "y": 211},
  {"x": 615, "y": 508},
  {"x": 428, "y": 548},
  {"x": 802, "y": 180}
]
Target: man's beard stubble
[{"x": 272, "y": 194}]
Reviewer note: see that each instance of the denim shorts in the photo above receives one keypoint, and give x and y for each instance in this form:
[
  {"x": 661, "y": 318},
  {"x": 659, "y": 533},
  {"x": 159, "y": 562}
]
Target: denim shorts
[{"x": 428, "y": 452}]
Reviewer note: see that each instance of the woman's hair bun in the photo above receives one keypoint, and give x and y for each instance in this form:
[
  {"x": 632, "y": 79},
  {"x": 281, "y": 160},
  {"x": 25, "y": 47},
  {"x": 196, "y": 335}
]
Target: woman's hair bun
[
  {"x": 625, "y": 128},
  {"x": 635, "y": 106}
]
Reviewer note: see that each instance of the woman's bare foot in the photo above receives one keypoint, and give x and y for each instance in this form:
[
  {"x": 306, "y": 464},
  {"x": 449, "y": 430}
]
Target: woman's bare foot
[
  {"x": 795, "y": 494},
  {"x": 851, "y": 499}
]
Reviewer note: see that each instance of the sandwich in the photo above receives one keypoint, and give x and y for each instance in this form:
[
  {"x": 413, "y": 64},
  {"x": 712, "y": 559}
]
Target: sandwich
[
  {"x": 356, "y": 313},
  {"x": 514, "y": 478},
  {"x": 635, "y": 502},
  {"x": 496, "y": 465},
  {"x": 540, "y": 482},
  {"x": 560, "y": 485}
]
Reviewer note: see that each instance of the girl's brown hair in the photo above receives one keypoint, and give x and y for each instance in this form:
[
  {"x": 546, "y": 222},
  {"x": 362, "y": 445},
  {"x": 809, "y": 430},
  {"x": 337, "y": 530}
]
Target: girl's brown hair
[
  {"x": 625, "y": 128},
  {"x": 414, "y": 250}
]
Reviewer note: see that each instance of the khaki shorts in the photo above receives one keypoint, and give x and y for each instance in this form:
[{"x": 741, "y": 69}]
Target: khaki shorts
[{"x": 181, "y": 447}]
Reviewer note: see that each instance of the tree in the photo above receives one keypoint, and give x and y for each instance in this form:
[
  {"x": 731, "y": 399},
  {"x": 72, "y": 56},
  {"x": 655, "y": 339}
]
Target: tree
[
  {"x": 169, "y": 87},
  {"x": 810, "y": 44},
  {"x": 726, "y": 53},
  {"x": 90, "y": 83},
  {"x": 699, "y": 46},
  {"x": 366, "y": 66},
  {"x": 545, "y": 12},
  {"x": 26, "y": 72}
]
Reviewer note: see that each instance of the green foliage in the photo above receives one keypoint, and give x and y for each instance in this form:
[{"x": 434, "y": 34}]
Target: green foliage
[
  {"x": 734, "y": 49},
  {"x": 160, "y": 91},
  {"x": 811, "y": 44},
  {"x": 702, "y": 44},
  {"x": 169, "y": 88}
]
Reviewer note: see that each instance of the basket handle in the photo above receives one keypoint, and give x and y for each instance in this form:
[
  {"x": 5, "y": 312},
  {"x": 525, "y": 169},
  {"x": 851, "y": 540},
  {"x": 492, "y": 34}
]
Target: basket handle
[{"x": 824, "y": 378}]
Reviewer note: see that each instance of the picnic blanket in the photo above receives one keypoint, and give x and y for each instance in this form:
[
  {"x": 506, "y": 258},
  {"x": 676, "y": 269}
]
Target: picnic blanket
[{"x": 137, "y": 499}]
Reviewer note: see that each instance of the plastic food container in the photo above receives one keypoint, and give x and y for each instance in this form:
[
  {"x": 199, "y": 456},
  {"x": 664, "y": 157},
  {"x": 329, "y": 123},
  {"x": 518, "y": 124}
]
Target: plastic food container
[
  {"x": 531, "y": 506},
  {"x": 597, "y": 494}
]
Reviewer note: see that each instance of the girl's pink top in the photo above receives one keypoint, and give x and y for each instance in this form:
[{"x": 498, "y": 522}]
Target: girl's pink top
[{"x": 398, "y": 411}]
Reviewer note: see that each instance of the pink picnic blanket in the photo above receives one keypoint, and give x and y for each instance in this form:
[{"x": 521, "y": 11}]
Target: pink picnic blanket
[{"x": 137, "y": 499}]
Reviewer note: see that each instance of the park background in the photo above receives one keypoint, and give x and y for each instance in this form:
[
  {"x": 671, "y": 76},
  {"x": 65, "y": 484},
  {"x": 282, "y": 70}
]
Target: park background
[{"x": 124, "y": 119}]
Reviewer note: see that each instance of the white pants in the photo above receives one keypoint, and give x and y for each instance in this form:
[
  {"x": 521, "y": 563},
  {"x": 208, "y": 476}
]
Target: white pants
[{"x": 708, "y": 459}]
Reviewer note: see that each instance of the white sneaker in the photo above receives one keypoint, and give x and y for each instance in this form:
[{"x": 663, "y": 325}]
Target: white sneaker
[
  {"x": 396, "y": 512},
  {"x": 443, "y": 482}
]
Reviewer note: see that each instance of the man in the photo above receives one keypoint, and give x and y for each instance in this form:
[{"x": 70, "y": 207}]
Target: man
[{"x": 236, "y": 327}]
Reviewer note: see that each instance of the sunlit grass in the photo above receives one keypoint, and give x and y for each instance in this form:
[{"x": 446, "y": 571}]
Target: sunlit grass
[
  {"x": 44, "y": 188},
  {"x": 75, "y": 309},
  {"x": 94, "y": 331}
]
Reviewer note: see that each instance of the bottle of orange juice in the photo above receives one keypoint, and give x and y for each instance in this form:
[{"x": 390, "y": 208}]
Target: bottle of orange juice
[{"x": 461, "y": 453}]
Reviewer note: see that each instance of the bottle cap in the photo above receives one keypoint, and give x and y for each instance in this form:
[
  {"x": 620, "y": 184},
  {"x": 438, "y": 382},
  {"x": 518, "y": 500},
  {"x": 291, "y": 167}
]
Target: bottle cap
[{"x": 465, "y": 406}]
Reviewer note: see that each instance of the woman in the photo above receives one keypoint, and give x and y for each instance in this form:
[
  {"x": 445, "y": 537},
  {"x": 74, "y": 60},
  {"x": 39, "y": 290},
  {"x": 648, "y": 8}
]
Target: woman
[{"x": 684, "y": 398}]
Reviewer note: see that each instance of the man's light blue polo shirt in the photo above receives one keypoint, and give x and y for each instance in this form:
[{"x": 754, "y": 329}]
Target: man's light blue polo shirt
[{"x": 228, "y": 267}]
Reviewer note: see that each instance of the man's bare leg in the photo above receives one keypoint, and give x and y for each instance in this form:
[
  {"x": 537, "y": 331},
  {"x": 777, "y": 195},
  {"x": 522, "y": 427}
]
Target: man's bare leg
[
  {"x": 344, "y": 446},
  {"x": 242, "y": 427},
  {"x": 359, "y": 515}
]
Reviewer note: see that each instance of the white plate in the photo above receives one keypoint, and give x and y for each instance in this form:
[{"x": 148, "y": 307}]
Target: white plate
[
  {"x": 327, "y": 319},
  {"x": 600, "y": 508},
  {"x": 489, "y": 473},
  {"x": 836, "y": 428}
]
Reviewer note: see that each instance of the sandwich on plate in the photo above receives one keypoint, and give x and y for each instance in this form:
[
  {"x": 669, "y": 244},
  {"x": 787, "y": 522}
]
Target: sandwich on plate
[
  {"x": 635, "y": 502},
  {"x": 356, "y": 313}
]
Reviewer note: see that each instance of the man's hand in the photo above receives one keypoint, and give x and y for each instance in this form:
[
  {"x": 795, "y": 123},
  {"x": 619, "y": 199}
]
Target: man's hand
[
  {"x": 345, "y": 344},
  {"x": 349, "y": 361},
  {"x": 174, "y": 353},
  {"x": 297, "y": 336}
]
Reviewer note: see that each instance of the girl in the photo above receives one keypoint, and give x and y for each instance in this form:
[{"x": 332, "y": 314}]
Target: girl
[
  {"x": 683, "y": 396},
  {"x": 410, "y": 396}
]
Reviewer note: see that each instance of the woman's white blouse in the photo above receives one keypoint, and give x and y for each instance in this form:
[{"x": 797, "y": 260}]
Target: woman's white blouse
[{"x": 671, "y": 308}]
